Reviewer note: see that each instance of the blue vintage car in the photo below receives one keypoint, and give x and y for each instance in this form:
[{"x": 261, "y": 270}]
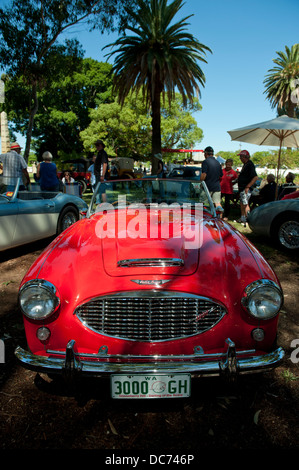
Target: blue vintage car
[{"x": 32, "y": 214}]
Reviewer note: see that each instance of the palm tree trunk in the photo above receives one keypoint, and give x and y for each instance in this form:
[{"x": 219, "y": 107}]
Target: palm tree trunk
[
  {"x": 156, "y": 128},
  {"x": 292, "y": 109}
]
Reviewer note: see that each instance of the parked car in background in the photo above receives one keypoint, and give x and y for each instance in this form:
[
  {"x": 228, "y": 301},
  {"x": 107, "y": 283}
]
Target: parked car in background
[
  {"x": 179, "y": 173},
  {"x": 78, "y": 168},
  {"x": 185, "y": 172},
  {"x": 27, "y": 216},
  {"x": 278, "y": 220},
  {"x": 122, "y": 168},
  {"x": 150, "y": 290}
]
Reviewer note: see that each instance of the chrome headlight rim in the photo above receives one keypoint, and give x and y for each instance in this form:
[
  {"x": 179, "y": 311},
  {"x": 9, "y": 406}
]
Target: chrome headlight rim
[
  {"x": 259, "y": 286},
  {"x": 44, "y": 287}
]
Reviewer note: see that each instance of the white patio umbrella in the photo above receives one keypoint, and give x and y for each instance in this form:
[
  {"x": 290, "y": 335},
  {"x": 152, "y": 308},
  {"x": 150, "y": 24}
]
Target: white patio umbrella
[{"x": 279, "y": 132}]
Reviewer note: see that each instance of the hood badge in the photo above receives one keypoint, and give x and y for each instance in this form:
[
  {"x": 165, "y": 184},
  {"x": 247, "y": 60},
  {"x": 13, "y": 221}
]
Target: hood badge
[{"x": 147, "y": 282}]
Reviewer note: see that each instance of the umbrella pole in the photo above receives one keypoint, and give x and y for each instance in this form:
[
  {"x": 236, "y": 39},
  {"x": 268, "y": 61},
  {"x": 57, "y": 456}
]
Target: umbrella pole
[{"x": 278, "y": 167}]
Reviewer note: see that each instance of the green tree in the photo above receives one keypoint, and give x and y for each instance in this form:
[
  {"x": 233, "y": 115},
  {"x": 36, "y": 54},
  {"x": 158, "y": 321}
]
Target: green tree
[
  {"x": 158, "y": 58},
  {"x": 78, "y": 86},
  {"x": 126, "y": 129},
  {"x": 282, "y": 82},
  {"x": 30, "y": 29},
  {"x": 123, "y": 128},
  {"x": 230, "y": 154},
  {"x": 178, "y": 127},
  {"x": 65, "y": 107}
]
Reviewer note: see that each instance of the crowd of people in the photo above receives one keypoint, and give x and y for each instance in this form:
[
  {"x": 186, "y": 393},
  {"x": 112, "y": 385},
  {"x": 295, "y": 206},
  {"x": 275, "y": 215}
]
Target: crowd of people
[
  {"x": 14, "y": 166},
  {"x": 220, "y": 181}
]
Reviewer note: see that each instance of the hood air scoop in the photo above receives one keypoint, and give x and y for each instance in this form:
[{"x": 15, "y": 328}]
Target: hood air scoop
[{"x": 156, "y": 262}]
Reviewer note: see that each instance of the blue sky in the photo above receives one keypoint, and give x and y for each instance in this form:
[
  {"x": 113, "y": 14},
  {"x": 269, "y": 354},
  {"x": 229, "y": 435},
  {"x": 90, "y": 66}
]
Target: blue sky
[{"x": 244, "y": 37}]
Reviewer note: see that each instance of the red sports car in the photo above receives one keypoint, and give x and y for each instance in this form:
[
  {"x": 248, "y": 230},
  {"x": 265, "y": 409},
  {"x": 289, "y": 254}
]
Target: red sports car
[{"x": 151, "y": 289}]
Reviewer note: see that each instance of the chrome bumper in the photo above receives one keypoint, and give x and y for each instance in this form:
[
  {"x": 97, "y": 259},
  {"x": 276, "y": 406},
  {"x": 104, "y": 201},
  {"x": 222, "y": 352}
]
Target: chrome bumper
[{"x": 103, "y": 364}]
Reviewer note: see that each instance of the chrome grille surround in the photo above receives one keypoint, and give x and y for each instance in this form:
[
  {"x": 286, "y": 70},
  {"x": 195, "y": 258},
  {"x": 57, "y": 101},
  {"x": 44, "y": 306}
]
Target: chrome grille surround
[{"x": 150, "y": 315}]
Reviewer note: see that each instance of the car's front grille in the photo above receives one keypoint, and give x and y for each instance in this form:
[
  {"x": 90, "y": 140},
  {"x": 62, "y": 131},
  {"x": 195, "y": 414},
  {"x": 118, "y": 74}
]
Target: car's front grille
[{"x": 150, "y": 316}]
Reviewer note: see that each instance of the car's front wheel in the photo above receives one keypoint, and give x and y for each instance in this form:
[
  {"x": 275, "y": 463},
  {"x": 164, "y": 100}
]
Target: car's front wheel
[
  {"x": 286, "y": 231},
  {"x": 68, "y": 217}
]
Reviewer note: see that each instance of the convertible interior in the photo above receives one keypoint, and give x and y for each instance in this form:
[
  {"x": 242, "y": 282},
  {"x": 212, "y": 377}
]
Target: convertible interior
[{"x": 33, "y": 195}]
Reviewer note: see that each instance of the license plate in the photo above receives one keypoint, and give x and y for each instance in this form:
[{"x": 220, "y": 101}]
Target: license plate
[{"x": 150, "y": 386}]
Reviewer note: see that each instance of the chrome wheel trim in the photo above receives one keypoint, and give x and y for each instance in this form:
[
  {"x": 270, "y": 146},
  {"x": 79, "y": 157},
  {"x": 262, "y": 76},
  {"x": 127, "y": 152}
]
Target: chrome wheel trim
[
  {"x": 68, "y": 219},
  {"x": 288, "y": 234}
]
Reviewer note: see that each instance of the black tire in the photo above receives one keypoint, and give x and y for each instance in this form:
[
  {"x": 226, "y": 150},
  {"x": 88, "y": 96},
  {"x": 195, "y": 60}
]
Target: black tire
[
  {"x": 68, "y": 217},
  {"x": 285, "y": 231}
]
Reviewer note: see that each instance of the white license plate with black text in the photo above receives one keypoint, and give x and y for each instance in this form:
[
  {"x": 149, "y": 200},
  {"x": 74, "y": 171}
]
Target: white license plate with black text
[{"x": 150, "y": 386}]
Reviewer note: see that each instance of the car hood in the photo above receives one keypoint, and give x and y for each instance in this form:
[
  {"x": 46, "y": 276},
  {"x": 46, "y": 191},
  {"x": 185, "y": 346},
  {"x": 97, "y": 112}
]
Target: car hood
[
  {"x": 155, "y": 243},
  {"x": 80, "y": 261}
]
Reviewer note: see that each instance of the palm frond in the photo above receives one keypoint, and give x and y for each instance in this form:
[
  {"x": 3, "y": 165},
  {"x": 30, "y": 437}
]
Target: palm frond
[{"x": 279, "y": 80}]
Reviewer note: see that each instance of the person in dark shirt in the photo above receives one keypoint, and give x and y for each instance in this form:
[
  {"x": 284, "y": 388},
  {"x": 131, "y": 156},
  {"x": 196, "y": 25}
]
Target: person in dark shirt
[
  {"x": 267, "y": 193},
  {"x": 288, "y": 187},
  {"x": 246, "y": 180},
  {"x": 211, "y": 174},
  {"x": 100, "y": 167},
  {"x": 47, "y": 174}
]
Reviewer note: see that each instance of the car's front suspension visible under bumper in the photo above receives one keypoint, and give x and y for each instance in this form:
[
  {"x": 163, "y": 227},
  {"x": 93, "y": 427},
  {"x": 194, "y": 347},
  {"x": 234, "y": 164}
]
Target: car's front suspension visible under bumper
[{"x": 72, "y": 364}]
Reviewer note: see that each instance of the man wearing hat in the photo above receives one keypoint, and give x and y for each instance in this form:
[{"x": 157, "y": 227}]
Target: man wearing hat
[
  {"x": 14, "y": 166},
  {"x": 246, "y": 180},
  {"x": 101, "y": 166}
]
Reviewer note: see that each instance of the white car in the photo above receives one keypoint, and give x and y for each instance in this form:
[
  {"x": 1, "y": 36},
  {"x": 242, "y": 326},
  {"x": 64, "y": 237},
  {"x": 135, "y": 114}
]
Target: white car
[{"x": 278, "y": 220}]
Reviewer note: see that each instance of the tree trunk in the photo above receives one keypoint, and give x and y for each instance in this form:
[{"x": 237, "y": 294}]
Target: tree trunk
[
  {"x": 32, "y": 113},
  {"x": 156, "y": 127},
  {"x": 291, "y": 108}
]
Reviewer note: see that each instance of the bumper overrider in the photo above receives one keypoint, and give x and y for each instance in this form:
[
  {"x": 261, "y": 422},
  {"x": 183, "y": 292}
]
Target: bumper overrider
[{"x": 72, "y": 365}]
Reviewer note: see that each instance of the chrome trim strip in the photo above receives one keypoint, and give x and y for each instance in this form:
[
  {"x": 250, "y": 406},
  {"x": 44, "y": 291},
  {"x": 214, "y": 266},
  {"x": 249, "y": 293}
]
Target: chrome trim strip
[
  {"x": 261, "y": 283},
  {"x": 156, "y": 358},
  {"x": 39, "y": 283},
  {"x": 155, "y": 293},
  {"x": 204, "y": 366},
  {"x": 155, "y": 262}
]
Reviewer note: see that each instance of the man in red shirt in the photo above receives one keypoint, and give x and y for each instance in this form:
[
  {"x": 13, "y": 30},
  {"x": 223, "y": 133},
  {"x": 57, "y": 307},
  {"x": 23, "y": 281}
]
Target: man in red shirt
[{"x": 227, "y": 181}]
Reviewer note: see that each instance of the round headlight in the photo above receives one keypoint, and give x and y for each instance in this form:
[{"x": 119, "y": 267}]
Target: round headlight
[
  {"x": 263, "y": 299},
  {"x": 38, "y": 299}
]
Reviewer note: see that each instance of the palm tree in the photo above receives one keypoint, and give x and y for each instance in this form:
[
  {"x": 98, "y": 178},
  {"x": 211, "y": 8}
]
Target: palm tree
[
  {"x": 158, "y": 58},
  {"x": 282, "y": 80}
]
